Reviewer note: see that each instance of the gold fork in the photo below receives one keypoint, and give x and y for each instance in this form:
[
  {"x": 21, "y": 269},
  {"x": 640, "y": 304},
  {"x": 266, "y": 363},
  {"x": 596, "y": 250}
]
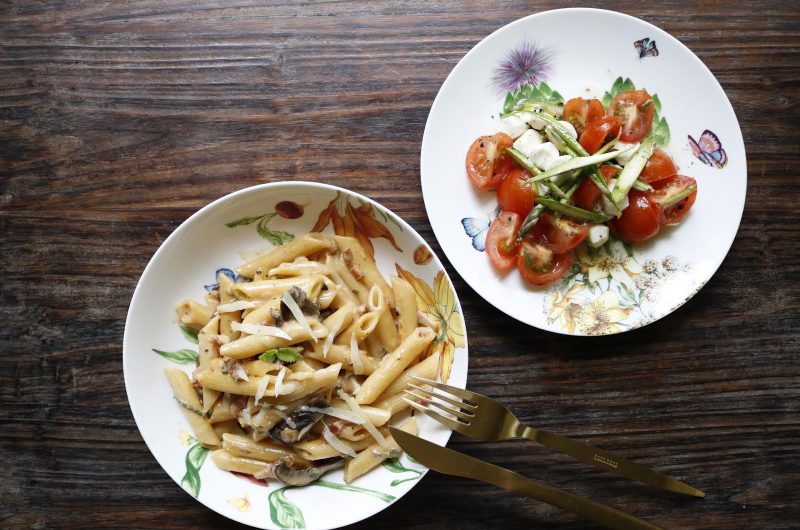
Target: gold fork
[{"x": 485, "y": 419}]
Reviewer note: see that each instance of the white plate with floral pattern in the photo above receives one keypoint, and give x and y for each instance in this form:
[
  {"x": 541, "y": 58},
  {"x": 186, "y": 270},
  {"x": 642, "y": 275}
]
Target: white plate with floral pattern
[
  {"x": 569, "y": 53},
  {"x": 212, "y": 242}
]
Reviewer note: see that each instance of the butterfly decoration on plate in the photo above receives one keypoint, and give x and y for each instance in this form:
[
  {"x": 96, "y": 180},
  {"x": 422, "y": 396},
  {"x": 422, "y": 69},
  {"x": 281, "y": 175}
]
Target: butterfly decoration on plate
[
  {"x": 709, "y": 149},
  {"x": 646, "y": 48},
  {"x": 476, "y": 228}
]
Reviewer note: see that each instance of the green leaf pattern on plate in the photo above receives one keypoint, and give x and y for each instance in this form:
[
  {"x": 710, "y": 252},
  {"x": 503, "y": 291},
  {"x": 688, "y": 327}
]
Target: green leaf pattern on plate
[
  {"x": 195, "y": 457},
  {"x": 276, "y": 237},
  {"x": 541, "y": 93},
  {"x": 189, "y": 333},
  {"x": 395, "y": 466},
  {"x": 347, "y": 487},
  {"x": 184, "y": 356},
  {"x": 283, "y": 512}
]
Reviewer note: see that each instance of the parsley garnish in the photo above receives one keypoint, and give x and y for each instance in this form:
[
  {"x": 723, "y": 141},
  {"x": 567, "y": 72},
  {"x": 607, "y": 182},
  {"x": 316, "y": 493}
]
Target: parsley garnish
[{"x": 286, "y": 355}]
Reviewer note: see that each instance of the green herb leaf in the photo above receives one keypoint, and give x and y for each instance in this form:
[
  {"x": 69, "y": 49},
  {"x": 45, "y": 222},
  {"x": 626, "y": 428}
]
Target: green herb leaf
[
  {"x": 531, "y": 94},
  {"x": 286, "y": 355},
  {"x": 194, "y": 461},
  {"x": 184, "y": 356},
  {"x": 284, "y": 513},
  {"x": 189, "y": 333}
]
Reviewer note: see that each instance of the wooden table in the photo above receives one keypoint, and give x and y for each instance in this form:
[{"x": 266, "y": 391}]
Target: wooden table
[{"x": 118, "y": 120}]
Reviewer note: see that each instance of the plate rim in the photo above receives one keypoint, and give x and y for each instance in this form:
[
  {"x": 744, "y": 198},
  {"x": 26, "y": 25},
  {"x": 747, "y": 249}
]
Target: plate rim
[{"x": 427, "y": 200}]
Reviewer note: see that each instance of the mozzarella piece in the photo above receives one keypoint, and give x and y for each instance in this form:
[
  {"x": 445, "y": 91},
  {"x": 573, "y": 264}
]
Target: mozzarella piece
[
  {"x": 525, "y": 143},
  {"x": 542, "y": 154},
  {"x": 513, "y": 126},
  {"x": 624, "y": 158},
  {"x": 598, "y": 235},
  {"x": 570, "y": 129}
]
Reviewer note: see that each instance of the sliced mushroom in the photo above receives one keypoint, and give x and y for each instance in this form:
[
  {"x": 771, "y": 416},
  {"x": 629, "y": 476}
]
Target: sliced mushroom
[
  {"x": 292, "y": 428},
  {"x": 290, "y": 476},
  {"x": 306, "y": 305}
]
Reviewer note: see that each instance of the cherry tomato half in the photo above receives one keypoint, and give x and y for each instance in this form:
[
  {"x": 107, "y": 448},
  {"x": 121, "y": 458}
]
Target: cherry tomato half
[
  {"x": 639, "y": 221},
  {"x": 501, "y": 240},
  {"x": 600, "y": 131},
  {"x": 636, "y": 109},
  {"x": 665, "y": 192},
  {"x": 539, "y": 265},
  {"x": 488, "y": 162},
  {"x": 513, "y": 194},
  {"x": 580, "y": 112},
  {"x": 659, "y": 166},
  {"x": 587, "y": 194},
  {"x": 559, "y": 235}
]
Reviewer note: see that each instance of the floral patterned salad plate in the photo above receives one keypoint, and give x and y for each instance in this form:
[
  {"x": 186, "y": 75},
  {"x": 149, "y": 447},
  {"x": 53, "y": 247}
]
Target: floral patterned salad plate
[
  {"x": 214, "y": 241},
  {"x": 551, "y": 57}
]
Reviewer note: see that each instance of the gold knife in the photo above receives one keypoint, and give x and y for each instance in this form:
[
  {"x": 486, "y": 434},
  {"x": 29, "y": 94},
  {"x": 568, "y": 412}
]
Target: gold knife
[{"x": 451, "y": 462}]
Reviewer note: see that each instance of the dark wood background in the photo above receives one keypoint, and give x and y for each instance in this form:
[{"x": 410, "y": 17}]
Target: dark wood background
[{"x": 120, "y": 119}]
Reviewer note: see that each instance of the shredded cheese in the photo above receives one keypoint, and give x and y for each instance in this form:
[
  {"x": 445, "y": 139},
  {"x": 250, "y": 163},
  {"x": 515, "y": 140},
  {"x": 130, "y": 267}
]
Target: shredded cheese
[
  {"x": 298, "y": 314},
  {"x": 332, "y": 335},
  {"x": 258, "y": 329},
  {"x": 355, "y": 357},
  {"x": 262, "y": 388},
  {"x": 374, "y": 432},
  {"x": 342, "y": 414},
  {"x": 279, "y": 381},
  {"x": 336, "y": 443}
]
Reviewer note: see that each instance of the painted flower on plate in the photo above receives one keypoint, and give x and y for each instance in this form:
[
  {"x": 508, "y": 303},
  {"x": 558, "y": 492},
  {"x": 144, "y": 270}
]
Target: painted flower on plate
[
  {"x": 527, "y": 64},
  {"x": 359, "y": 222},
  {"x": 439, "y": 305}
]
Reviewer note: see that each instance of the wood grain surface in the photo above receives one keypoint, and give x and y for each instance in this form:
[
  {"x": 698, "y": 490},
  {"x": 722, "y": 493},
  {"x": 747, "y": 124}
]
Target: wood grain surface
[{"x": 120, "y": 119}]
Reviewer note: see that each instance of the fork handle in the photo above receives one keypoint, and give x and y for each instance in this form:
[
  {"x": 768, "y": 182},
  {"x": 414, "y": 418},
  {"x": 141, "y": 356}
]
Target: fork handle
[{"x": 608, "y": 461}]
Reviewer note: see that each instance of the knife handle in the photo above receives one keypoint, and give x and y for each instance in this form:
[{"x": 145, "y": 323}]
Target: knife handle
[
  {"x": 608, "y": 461},
  {"x": 588, "y": 509}
]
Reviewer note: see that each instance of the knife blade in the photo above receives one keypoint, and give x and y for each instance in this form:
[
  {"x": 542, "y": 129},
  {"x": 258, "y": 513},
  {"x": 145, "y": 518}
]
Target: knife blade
[{"x": 451, "y": 462}]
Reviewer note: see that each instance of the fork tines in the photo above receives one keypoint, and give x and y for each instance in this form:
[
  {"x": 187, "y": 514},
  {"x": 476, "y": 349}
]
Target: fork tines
[{"x": 459, "y": 410}]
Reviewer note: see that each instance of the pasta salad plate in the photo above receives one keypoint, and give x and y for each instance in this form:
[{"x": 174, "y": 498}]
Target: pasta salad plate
[
  {"x": 581, "y": 180},
  {"x": 267, "y": 345}
]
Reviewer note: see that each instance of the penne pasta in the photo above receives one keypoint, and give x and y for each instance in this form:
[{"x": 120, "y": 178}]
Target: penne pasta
[
  {"x": 406, "y": 305},
  {"x": 192, "y": 408},
  {"x": 193, "y": 314},
  {"x": 299, "y": 246},
  {"x": 373, "y": 455},
  {"x": 393, "y": 364},
  {"x": 303, "y": 360}
]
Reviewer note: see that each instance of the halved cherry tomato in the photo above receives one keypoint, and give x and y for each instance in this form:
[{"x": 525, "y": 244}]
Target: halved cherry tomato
[
  {"x": 488, "y": 162},
  {"x": 581, "y": 112},
  {"x": 539, "y": 265},
  {"x": 636, "y": 109},
  {"x": 668, "y": 188},
  {"x": 639, "y": 221},
  {"x": 560, "y": 235},
  {"x": 600, "y": 131},
  {"x": 587, "y": 194},
  {"x": 513, "y": 194},
  {"x": 501, "y": 240},
  {"x": 658, "y": 167}
]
